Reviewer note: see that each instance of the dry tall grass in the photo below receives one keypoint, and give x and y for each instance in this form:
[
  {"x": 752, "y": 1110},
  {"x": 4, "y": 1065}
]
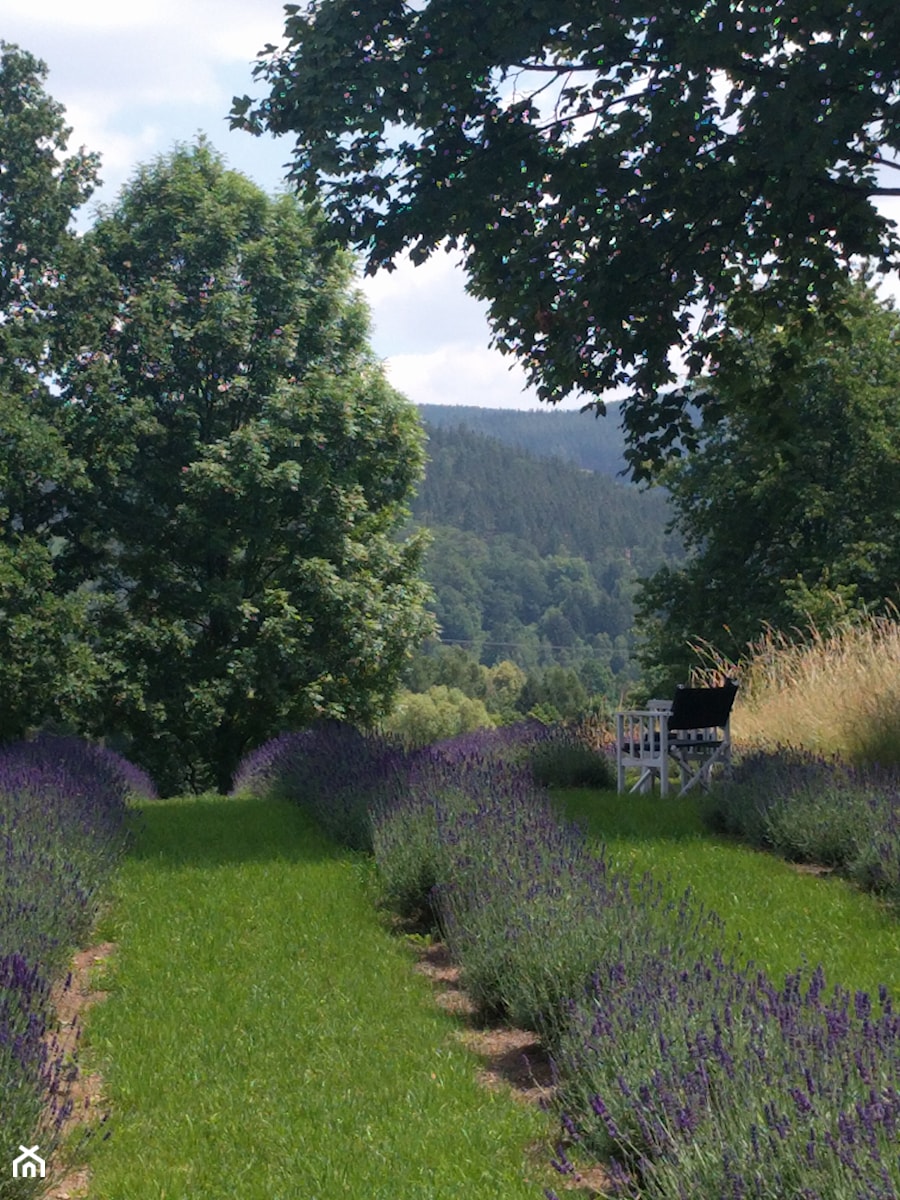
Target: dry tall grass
[{"x": 838, "y": 694}]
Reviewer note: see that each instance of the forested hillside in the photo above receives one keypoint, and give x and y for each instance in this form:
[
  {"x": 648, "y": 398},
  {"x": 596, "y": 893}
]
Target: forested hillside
[
  {"x": 534, "y": 561},
  {"x": 594, "y": 443}
]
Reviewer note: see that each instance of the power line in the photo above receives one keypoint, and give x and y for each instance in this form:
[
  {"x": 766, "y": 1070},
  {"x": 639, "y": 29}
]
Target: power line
[{"x": 508, "y": 645}]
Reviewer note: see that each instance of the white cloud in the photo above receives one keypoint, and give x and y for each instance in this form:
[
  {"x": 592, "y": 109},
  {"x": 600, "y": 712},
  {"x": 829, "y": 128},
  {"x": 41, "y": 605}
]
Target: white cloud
[
  {"x": 219, "y": 22},
  {"x": 98, "y": 15},
  {"x": 136, "y": 78},
  {"x": 414, "y": 308},
  {"x": 436, "y": 338},
  {"x": 460, "y": 373}
]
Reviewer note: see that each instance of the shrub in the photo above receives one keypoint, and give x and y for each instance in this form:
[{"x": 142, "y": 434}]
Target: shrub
[
  {"x": 812, "y": 809},
  {"x": 530, "y": 912},
  {"x": 63, "y": 826},
  {"x": 414, "y": 824},
  {"x": 564, "y": 759},
  {"x": 711, "y": 1081},
  {"x": 422, "y": 718},
  {"x": 338, "y": 773},
  {"x": 525, "y": 906}
]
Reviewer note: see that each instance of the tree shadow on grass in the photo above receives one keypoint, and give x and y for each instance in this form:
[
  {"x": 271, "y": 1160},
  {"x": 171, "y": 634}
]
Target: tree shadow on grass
[{"x": 213, "y": 831}]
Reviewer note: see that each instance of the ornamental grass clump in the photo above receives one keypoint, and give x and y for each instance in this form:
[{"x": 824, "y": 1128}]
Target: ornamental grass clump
[
  {"x": 834, "y": 693},
  {"x": 816, "y": 810},
  {"x": 710, "y": 1081},
  {"x": 63, "y": 826}
]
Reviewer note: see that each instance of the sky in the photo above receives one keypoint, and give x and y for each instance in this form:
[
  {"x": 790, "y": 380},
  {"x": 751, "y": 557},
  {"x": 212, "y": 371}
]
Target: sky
[{"x": 137, "y": 76}]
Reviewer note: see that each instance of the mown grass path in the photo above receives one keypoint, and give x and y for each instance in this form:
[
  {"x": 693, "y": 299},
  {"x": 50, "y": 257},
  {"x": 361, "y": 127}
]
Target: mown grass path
[
  {"x": 265, "y": 1037},
  {"x": 776, "y": 916}
]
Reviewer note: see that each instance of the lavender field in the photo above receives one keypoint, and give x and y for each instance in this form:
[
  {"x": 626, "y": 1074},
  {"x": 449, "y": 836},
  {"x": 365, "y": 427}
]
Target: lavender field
[
  {"x": 64, "y": 824},
  {"x": 680, "y": 1069},
  {"x": 683, "y": 1071}
]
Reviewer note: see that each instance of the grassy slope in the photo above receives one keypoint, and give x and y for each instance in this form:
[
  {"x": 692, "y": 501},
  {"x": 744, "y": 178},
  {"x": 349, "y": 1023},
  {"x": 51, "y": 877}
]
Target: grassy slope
[
  {"x": 774, "y": 915},
  {"x": 266, "y": 1038}
]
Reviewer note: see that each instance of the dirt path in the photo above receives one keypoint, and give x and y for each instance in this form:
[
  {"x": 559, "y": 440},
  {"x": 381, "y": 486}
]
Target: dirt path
[
  {"x": 71, "y": 998},
  {"x": 511, "y": 1058}
]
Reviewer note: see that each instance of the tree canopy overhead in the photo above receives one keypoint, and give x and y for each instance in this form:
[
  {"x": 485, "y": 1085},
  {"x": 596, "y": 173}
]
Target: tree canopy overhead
[
  {"x": 790, "y": 506},
  {"x": 611, "y": 173}
]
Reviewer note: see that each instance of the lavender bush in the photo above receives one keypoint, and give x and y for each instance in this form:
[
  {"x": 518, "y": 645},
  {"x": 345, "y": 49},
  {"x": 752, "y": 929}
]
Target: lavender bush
[
  {"x": 63, "y": 826},
  {"x": 529, "y": 910},
  {"x": 711, "y": 1082},
  {"x": 344, "y": 776},
  {"x": 411, "y": 852},
  {"x": 336, "y": 772},
  {"x": 565, "y": 759},
  {"x": 812, "y": 809}
]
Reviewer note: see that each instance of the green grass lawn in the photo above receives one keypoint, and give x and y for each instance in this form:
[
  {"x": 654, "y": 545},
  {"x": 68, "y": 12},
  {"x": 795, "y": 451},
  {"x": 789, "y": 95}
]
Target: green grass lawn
[
  {"x": 775, "y": 916},
  {"x": 266, "y": 1038}
]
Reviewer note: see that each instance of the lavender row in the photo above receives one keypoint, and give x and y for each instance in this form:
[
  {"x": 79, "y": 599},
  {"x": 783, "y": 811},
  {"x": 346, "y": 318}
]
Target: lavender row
[
  {"x": 344, "y": 777},
  {"x": 63, "y": 826},
  {"x": 812, "y": 809}
]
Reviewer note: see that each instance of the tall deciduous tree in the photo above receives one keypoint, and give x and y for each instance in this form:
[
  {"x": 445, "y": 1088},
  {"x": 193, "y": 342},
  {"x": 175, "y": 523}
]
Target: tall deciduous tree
[
  {"x": 791, "y": 506},
  {"x": 47, "y": 667},
  {"x": 611, "y": 173},
  {"x": 248, "y": 466}
]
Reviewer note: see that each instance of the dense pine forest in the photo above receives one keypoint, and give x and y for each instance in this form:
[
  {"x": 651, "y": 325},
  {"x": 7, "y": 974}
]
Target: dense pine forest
[
  {"x": 594, "y": 443},
  {"x": 533, "y": 562}
]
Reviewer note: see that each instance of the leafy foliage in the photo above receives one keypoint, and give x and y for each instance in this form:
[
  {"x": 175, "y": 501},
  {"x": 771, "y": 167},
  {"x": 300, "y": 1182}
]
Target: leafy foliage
[
  {"x": 790, "y": 505},
  {"x": 244, "y": 466},
  {"x": 202, "y": 466},
  {"x": 610, "y": 176},
  {"x": 420, "y": 718},
  {"x": 45, "y": 665}
]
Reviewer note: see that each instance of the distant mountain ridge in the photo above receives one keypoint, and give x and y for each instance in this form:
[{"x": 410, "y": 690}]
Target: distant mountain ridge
[
  {"x": 535, "y": 559},
  {"x": 479, "y": 484},
  {"x": 589, "y": 442}
]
